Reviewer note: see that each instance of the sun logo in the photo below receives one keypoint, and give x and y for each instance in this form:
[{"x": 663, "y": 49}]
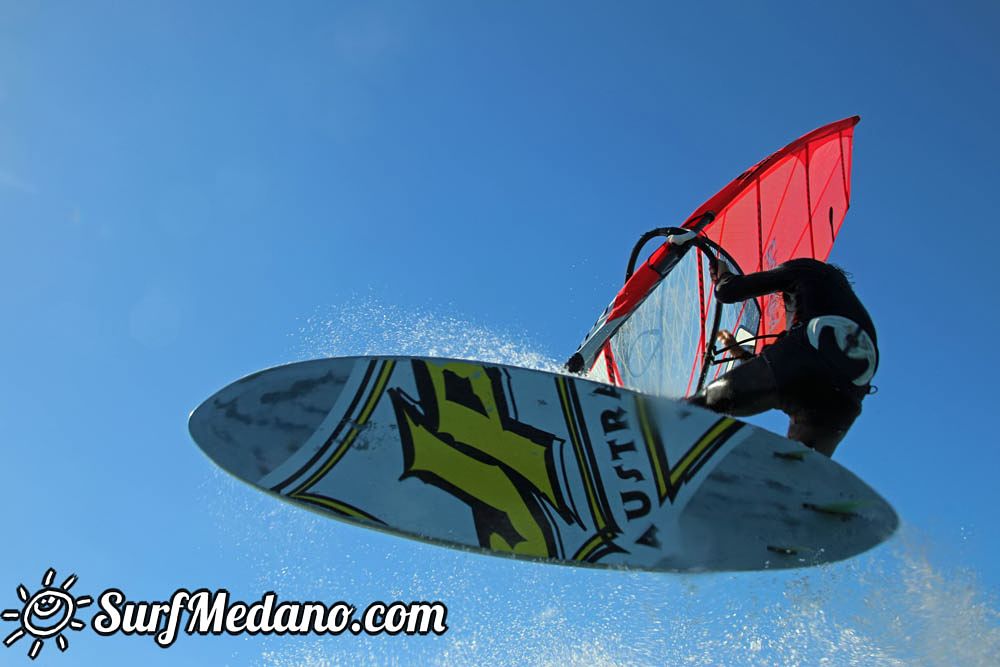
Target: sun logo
[{"x": 46, "y": 614}]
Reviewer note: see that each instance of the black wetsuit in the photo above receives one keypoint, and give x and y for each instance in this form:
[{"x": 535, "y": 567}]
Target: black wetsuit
[{"x": 819, "y": 370}]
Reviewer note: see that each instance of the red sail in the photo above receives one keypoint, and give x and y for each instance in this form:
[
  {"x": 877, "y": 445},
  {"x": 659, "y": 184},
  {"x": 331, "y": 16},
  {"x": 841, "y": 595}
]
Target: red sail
[{"x": 791, "y": 204}]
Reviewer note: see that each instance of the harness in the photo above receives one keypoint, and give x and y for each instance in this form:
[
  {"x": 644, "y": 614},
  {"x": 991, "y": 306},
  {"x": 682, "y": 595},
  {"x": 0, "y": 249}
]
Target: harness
[{"x": 851, "y": 340}]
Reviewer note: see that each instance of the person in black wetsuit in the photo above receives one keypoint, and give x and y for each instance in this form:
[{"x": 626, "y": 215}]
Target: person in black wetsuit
[{"x": 819, "y": 369}]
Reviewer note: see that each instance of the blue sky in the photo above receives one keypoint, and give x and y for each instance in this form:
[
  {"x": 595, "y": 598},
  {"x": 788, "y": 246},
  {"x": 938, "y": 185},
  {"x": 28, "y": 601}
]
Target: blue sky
[{"x": 189, "y": 193}]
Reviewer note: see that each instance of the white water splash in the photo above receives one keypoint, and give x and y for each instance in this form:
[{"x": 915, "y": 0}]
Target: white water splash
[
  {"x": 892, "y": 609},
  {"x": 896, "y": 606},
  {"x": 366, "y": 326}
]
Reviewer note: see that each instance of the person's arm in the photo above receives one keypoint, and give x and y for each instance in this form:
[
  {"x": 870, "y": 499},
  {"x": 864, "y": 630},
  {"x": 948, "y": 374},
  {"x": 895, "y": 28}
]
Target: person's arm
[{"x": 732, "y": 288}]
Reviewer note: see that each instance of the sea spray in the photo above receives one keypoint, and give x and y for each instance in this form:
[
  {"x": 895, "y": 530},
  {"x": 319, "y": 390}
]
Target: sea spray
[{"x": 894, "y": 606}]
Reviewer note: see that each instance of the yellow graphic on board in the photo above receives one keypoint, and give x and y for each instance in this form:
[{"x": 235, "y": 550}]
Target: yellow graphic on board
[
  {"x": 670, "y": 478},
  {"x": 461, "y": 435}
]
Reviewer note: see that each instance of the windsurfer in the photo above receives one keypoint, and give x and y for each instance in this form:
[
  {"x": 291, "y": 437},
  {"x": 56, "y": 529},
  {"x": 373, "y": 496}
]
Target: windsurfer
[{"x": 818, "y": 371}]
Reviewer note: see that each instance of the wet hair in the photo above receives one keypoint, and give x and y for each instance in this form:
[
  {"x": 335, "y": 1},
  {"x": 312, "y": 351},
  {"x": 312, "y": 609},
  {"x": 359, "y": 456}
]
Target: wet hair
[{"x": 848, "y": 276}]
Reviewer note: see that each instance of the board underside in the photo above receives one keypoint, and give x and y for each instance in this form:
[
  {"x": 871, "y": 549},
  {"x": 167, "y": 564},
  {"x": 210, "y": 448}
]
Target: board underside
[{"x": 524, "y": 463}]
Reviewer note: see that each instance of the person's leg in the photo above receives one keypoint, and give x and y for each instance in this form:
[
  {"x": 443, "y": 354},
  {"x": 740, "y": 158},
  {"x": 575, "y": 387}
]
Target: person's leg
[
  {"x": 748, "y": 389},
  {"x": 823, "y": 429},
  {"x": 820, "y": 437}
]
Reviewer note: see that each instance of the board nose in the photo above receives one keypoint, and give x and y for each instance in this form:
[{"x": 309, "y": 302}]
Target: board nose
[{"x": 253, "y": 425}]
